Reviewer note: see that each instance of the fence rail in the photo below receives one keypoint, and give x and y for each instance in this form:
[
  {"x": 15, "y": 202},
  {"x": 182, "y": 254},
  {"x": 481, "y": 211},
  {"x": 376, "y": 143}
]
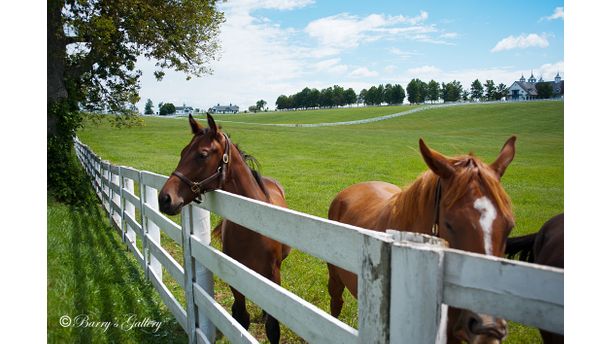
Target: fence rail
[{"x": 405, "y": 280}]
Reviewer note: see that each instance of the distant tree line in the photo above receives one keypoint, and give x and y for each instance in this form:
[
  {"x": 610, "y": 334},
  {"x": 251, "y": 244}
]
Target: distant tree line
[
  {"x": 417, "y": 91},
  {"x": 313, "y": 98}
]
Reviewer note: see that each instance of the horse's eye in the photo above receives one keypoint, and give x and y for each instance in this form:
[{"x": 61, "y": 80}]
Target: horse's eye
[{"x": 204, "y": 155}]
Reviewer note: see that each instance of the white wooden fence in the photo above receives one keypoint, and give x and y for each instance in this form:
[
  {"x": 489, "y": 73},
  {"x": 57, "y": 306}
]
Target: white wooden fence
[{"x": 405, "y": 282}]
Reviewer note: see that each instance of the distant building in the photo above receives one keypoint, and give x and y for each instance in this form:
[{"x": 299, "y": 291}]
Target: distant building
[
  {"x": 183, "y": 110},
  {"x": 224, "y": 109},
  {"x": 526, "y": 90}
]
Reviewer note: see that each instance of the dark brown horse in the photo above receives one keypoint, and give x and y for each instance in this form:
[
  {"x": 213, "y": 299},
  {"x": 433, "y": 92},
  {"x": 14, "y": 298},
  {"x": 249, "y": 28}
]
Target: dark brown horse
[
  {"x": 459, "y": 199},
  {"x": 210, "y": 161},
  {"x": 544, "y": 247}
]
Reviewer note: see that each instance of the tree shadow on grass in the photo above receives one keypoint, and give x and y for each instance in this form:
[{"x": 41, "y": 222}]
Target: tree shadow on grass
[{"x": 111, "y": 286}]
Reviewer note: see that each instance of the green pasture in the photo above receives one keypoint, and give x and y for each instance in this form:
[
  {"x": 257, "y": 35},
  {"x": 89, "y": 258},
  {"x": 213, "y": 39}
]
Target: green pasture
[
  {"x": 314, "y": 164},
  {"x": 314, "y": 116}
]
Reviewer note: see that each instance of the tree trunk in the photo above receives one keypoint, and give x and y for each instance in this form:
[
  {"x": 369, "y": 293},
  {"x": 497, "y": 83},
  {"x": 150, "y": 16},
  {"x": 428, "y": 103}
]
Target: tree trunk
[{"x": 56, "y": 53}]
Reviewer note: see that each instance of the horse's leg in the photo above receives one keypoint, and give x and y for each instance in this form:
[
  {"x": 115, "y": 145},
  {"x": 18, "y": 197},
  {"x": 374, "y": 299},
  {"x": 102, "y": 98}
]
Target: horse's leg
[
  {"x": 272, "y": 325},
  {"x": 239, "y": 311},
  {"x": 335, "y": 288}
]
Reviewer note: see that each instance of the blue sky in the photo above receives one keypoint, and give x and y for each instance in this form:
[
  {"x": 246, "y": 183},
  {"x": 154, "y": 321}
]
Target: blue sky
[{"x": 274, "y": 47}]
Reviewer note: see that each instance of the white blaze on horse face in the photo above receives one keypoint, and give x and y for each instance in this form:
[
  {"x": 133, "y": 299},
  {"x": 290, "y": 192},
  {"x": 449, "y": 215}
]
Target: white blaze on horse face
[{"x": 487, "y": 216}]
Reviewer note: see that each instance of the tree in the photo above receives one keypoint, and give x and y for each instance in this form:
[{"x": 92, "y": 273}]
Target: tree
[
  {"x": 394, "y": 94},
  {"x": 253, "y": 108},
  {"x": 465, "y": 95},
  {"x": 98, "y": 71},
  {"x": 350, "y": 97},
  {"x": 362, "y": 96},
  {"x": 338, "y": 96},
  {"x": 167, "y": 109},
  {"x": 282, "y": 102},
  {"x": 417, "y": 91},
  {"x": 148, "y": 107},
  {"x": 476, "y": 90},
  {"x": 501, "y": 91},
  {"x": 452, "y": 91},
  {"x": 544, "y": 89},
  {"x": 490, "y": 90},
  {"x": 433, "y": 91},
  {"x": 260, "y": 104}
]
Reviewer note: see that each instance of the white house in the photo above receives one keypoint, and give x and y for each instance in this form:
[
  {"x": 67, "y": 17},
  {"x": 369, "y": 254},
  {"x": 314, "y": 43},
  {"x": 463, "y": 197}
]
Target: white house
[
  {"x": 183, "y": 110},
  {"x": 526, "y": 90},
  {"x": 224, "y": 109}
]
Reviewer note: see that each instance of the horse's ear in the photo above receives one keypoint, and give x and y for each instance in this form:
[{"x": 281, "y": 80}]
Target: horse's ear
[
  {"x": 436, "y": 161},
  {"x": 505, "y": 157},
  {"x": 212, "y": 125},
  {"x": 196, "y": 127}
]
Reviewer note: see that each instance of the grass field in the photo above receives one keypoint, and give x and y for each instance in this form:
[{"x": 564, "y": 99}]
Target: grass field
[
  {"x": 90, "y": 273},
  {"x": 314, "y": 164},
  {"x": 315, "y": 116}
]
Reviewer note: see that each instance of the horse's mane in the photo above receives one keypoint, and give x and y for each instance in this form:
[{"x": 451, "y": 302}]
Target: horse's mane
[
  {"x": 418, "y": 197},
  {"x": 254, "y": 166},
  {"x": 249, "y": 160}
]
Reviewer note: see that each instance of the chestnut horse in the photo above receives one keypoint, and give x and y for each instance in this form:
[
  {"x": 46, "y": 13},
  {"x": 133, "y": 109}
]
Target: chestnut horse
[
  {"x": 544, "y": 247},
  {"x": 212, "y": 160},
  {"x": 459, "y": 199}
]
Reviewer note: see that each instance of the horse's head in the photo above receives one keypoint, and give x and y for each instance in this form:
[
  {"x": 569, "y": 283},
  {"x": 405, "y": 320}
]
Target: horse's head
[
  {"x": 202, "y": 167},
  {"x": 474, "y": 214}
]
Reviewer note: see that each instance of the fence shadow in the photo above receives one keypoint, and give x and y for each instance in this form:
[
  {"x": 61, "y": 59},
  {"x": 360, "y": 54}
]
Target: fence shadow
[{"x": 111, "y": 286}]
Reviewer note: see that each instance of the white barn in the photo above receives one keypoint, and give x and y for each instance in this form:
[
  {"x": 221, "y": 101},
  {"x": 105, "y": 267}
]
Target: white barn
[{"x": 526, "y": 90}]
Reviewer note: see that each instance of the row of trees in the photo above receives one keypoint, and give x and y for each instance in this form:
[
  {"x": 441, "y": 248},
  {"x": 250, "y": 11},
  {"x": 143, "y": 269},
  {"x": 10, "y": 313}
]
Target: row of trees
[
  {"x": 313, "y": 98},
  {"x": 418, "y": 91},
  {"x": 376, "y": 95}
]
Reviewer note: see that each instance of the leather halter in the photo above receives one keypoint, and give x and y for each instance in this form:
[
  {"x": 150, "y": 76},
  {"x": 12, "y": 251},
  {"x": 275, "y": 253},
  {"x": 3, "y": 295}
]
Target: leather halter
[
  {"x": 435, "y": 228},
  {"x": 199, "y": 188}
]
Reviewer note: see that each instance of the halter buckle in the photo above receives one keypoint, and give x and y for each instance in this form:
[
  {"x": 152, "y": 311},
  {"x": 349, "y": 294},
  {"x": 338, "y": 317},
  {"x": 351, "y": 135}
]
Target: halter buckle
[
  {"x": 195, "y": 189},
  {"x": 225, "y": 158},
  {"x": 435, "y": 229}
]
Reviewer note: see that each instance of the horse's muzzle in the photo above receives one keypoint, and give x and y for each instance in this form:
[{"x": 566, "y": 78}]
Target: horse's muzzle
[
  {"x": 166, "y": 204},
  {"x": 480, "y": 328}
]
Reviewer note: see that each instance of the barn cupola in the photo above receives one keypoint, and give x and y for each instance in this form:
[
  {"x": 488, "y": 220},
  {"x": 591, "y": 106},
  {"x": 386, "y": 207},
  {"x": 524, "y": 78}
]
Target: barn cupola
[
  {"x": 532, "y": 78},
  {"x": 557, "y": 78},
  {"x": 522, "y": 79}
]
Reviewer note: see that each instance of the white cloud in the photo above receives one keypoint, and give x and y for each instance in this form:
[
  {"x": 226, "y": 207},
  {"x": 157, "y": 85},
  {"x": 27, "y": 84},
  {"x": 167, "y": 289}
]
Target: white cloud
[
  {"x": 521, "y": 42},
  {"x": 402, "y": 53},
  {"x": 247, "y": 5},
  {"x": 345, "y": 31},
  {"x": 363, "y": 72},
  {"x": 424, "y": 70},
  {"x": 449, "y": 35},
  {"x": 390, "y": 68},
  {"x": 558, "y": 13},
  {"x": 330, "y": 66},
  {"x": 256, "y": 62}
]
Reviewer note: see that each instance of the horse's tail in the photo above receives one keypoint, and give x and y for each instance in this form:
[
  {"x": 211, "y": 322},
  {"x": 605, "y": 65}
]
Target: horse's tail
[{"x": 523, "y": 246}]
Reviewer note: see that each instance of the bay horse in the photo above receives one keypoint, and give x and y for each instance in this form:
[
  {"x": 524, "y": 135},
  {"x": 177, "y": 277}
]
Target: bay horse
[
  {"x": 545, "y": 247},
  {"x": 212, "y": 160},
  {"x": 459, "y": 199}
]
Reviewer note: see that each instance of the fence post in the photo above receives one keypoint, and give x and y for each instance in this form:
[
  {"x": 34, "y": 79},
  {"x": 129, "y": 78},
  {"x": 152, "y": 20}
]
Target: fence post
[
  {"x": 149, "y": 196},
  {"x": 417, "y": 262},
  {"x": 373, "y": 290},
  {"x": 129, "y": 209},
  {"x": 198, "y": 225},
  {"x": 115, "y": 179}
]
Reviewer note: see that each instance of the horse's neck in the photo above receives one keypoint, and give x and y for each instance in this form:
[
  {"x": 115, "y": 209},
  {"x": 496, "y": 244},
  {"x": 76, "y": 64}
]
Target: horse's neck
[
  {"x": 240, "y": 179},
  {"x": 412, "y": 208}
]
